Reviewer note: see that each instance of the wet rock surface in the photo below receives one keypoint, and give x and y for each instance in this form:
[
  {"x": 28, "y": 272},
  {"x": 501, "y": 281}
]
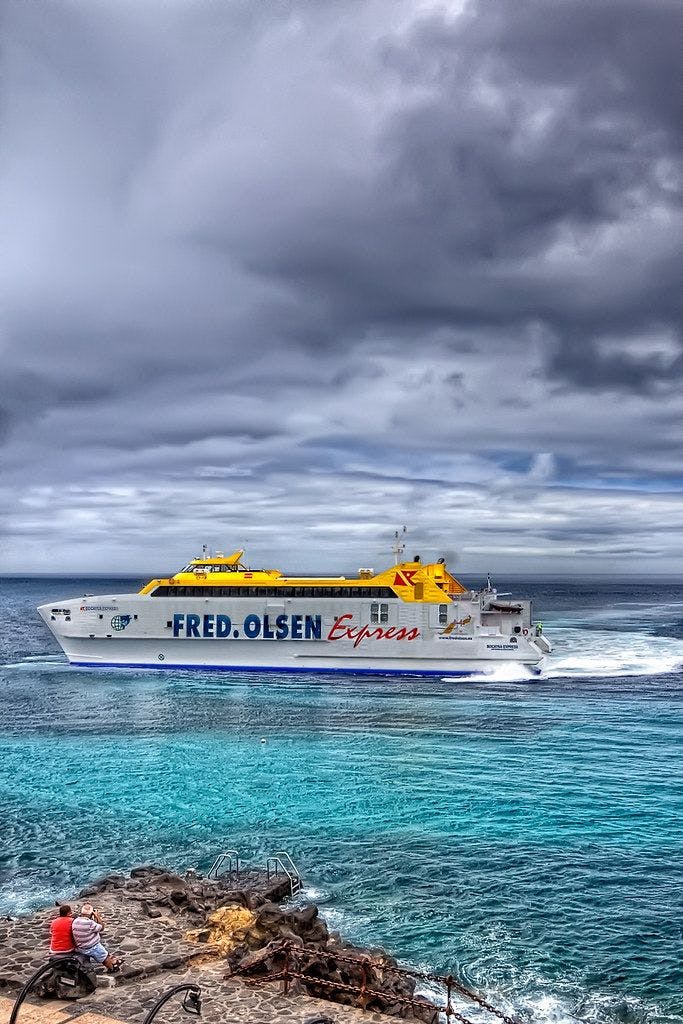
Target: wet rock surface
[
  {"x": 219, "y": 934},
  {"x": 298, "y": 943}
]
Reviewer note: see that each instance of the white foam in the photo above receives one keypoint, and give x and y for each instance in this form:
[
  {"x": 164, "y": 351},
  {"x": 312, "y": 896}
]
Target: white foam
[
  {"x": 56, "y": 664},
  {"x": 587, "y": 652},
  {"x": 311, "y": 892},
  {"x": 583, "y": 653},
  {"x": 19, "y": 901},
  {"x": 504, "y": 672}
]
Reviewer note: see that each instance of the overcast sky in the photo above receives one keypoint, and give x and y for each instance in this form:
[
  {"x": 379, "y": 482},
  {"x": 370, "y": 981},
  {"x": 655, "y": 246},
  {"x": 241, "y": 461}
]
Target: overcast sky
[{"x": 287, "y": 275}]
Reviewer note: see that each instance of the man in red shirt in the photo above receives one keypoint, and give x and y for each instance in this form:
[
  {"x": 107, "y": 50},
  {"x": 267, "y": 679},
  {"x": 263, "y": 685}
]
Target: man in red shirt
[{"x": 61, "y": 939}]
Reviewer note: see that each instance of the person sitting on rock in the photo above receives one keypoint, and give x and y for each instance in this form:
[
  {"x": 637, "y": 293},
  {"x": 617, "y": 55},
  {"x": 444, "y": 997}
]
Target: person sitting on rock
[
  {"x": 86, "y": 929},
  {"x": 61, "y": 939}
]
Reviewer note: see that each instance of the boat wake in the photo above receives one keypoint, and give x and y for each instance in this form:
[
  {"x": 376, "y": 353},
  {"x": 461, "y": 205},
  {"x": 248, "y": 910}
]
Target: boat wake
[
  {"x": 36, "y": 662},
  {"x": 581, "y": 652},
  {"x": 587, "y": 653}
]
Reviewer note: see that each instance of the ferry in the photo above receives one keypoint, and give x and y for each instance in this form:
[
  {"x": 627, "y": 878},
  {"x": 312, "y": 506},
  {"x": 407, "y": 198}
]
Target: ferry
[{"x": 216, "y": 613}]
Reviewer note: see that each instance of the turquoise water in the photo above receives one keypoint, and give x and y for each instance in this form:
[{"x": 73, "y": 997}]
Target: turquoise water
[{"x": 524, "y": 831}]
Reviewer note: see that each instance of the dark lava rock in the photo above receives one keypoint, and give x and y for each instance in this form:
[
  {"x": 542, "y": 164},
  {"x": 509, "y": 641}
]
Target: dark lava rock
[
  {"x": 305, "y": 917},
  {"x": 149, "y": 910}
]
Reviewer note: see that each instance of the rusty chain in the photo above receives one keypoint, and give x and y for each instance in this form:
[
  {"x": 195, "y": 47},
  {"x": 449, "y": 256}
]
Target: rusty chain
[
  {"x": 355, "y": 990},
  {"x": 365, "y": 993}
]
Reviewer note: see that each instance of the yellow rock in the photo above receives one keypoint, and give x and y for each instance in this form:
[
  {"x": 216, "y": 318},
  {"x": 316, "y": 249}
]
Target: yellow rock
[{"x": 227, "y": 927}]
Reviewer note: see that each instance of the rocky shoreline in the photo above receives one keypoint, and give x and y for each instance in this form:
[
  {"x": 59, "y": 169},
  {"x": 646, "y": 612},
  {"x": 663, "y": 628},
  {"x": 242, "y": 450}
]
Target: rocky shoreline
[{"x": 229, "y": 935}]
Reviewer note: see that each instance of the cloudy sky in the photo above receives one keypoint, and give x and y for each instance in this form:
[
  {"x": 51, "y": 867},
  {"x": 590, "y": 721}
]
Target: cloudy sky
[{"x": 288, "y": 274}]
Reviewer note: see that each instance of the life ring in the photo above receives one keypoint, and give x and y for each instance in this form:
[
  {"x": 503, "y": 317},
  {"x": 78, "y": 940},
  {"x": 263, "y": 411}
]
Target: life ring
[{"x": 525, "y": 632}]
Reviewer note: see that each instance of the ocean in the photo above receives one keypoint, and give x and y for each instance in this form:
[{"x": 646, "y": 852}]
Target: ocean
[{"x": 526, "y": 832}]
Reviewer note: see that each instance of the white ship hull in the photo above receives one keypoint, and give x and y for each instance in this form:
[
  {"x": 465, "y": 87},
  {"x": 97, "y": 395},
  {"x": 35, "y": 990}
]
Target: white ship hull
[{"x": 296, "y": 635}]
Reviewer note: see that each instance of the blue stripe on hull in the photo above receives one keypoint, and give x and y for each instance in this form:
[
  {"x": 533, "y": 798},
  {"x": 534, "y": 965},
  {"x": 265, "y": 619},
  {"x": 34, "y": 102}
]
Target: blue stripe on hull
[{"x": 294, "y": 669}]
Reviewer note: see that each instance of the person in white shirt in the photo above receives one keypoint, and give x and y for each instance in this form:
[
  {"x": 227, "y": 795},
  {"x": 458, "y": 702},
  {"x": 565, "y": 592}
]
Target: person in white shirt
[{"x": 86, "y": 930}]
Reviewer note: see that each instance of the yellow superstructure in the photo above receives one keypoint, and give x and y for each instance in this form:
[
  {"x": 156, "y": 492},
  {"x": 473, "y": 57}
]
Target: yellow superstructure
[{"x": 429, "y": 583}]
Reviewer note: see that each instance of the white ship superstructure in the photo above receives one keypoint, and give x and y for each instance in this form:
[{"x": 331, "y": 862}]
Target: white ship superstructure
[{"x": 411, "y": 619}]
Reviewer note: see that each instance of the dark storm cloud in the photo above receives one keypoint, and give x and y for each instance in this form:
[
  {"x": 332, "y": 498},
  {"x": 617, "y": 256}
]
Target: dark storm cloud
[{"x": 293, "y": 267}]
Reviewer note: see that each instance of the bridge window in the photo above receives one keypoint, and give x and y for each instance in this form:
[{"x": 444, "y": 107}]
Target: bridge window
[
  {"x": 308, "y": 593},
  {"x": 443, "y": 614}
]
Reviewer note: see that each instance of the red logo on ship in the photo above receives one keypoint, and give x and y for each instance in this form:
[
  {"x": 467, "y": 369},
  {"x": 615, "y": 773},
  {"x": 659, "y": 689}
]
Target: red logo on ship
[{"x": 342, "y": 631}]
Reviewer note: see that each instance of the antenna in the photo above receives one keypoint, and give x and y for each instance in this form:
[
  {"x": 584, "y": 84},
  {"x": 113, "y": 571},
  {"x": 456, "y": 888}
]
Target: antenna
[{"x": 399, "y": 544}]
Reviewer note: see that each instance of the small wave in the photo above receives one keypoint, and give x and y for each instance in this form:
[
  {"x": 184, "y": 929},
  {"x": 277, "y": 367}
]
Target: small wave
[
  {"x": 311, "y": 892},
  {"x": 15, "y": 901},
  {"x": 50, "y": 663},
  {"x": 543, "y": 1006},
  {"x": 544, "y": 1002}
]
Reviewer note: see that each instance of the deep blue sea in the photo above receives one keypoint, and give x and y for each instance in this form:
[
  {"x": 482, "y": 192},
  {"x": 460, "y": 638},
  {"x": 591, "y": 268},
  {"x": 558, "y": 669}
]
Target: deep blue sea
[{"x": 526, "y": 831}]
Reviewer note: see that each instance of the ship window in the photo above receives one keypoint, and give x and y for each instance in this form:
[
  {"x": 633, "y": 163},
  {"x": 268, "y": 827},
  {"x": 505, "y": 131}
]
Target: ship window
[
  {"x": 384, "y": 613},
  {"x": 374, "y": 613},
  {"x": 443, "y": 614},
  {"x": 208, "y": 590}
]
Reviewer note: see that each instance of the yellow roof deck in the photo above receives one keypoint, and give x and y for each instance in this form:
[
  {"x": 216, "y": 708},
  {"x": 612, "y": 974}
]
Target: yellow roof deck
[{"x": 411, "y": 581}]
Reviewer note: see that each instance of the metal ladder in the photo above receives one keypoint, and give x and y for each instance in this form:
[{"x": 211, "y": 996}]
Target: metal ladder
[
  {"x": 233, "y": 869},
  {"x": 281, "y": 863}
]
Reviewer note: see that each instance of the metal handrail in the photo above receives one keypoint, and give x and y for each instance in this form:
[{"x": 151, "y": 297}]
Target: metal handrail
[
  {"x": 282, "y": 863},
  {"x": 220, "y": 860}
]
